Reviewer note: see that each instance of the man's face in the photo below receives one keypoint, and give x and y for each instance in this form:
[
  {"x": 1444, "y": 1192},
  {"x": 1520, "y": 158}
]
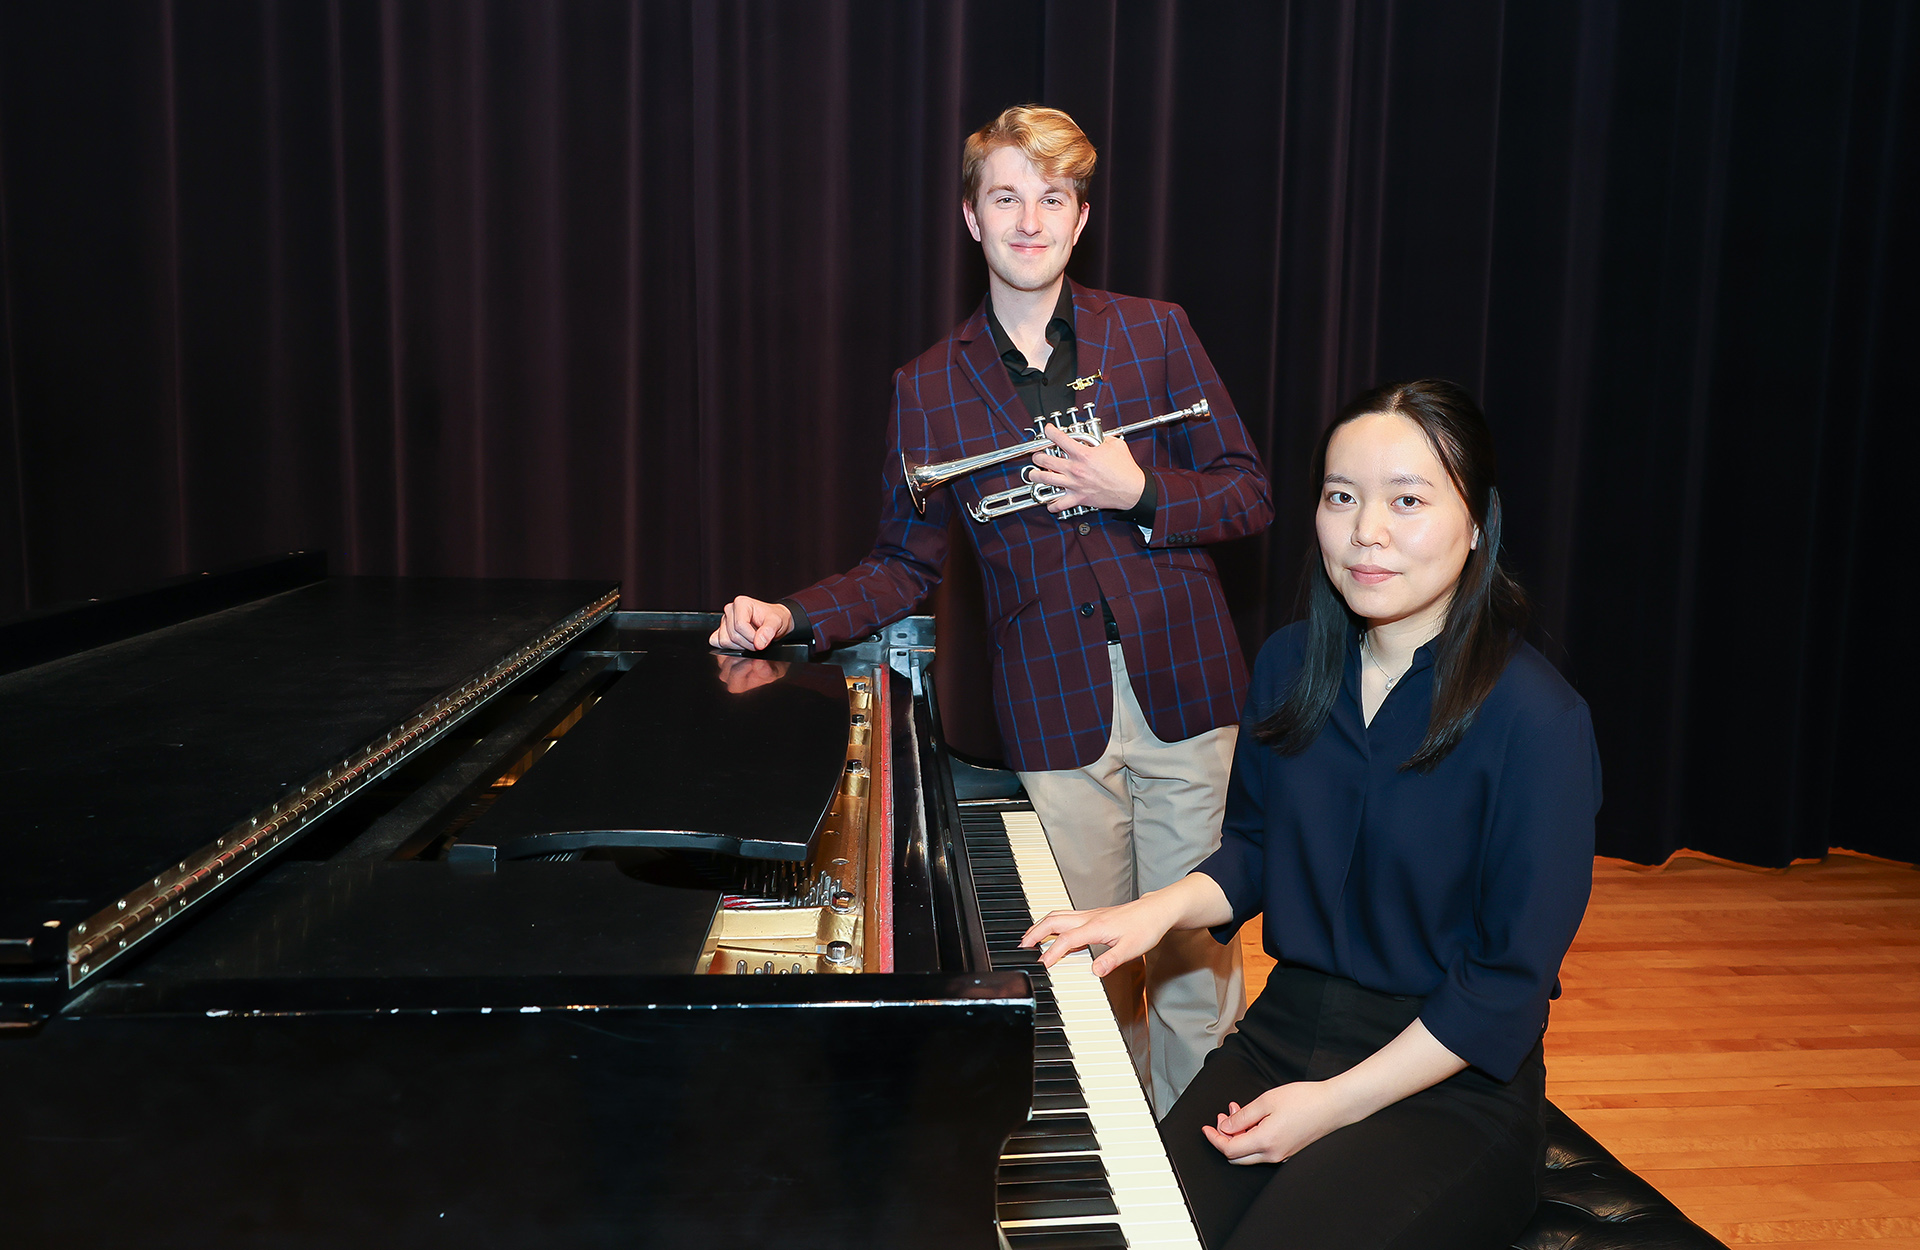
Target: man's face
[{"x": 1026, "y": 223}]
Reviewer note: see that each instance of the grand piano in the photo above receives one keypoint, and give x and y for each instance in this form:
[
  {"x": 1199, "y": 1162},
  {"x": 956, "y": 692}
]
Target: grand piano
[
  {"x": 443, "y": 912},
  {"x": 457, "y": 912}
]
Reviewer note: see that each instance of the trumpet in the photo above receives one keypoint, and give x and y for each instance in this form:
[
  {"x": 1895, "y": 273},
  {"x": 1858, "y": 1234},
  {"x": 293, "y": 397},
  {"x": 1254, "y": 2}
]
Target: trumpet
[{"x": 1083, "y": 427}]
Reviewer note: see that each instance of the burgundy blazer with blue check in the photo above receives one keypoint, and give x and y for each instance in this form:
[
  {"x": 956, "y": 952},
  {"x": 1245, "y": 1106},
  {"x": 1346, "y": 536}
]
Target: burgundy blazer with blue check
[{"x": 1044, "y": 577}]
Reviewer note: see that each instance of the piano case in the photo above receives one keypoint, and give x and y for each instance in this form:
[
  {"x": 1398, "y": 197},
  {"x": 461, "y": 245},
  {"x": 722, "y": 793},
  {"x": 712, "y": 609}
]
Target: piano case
[{"x": 300, "y": 1031}]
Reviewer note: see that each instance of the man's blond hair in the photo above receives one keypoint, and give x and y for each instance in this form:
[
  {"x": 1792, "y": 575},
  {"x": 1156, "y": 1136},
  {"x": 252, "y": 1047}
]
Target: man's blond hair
[{"x": 1047, "y": 137}]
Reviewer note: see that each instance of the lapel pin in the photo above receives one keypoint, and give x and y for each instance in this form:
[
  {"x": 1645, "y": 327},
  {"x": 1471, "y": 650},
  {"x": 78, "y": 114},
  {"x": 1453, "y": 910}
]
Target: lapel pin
[{"x": 1081, "y": 384}]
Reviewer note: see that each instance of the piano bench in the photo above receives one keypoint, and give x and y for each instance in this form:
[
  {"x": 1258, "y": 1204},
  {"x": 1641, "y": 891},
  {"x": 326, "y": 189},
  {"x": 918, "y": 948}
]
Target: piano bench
[{"x": 1589, "y": 1200}]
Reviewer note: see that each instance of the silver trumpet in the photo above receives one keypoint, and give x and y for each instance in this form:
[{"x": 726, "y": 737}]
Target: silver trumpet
[{"x": 1079, "y": 422}]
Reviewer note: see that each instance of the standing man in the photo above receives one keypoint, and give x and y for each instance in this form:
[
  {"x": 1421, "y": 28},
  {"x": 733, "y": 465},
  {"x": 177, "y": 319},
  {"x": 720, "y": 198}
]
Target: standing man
[{"x": 1118, "y": 679}]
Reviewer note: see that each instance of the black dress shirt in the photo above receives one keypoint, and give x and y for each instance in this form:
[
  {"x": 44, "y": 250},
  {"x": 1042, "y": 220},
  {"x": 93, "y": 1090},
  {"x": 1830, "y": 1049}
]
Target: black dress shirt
[
  {"x": 1047, "y": 391},
  {"x": 1463, "y": 886}
]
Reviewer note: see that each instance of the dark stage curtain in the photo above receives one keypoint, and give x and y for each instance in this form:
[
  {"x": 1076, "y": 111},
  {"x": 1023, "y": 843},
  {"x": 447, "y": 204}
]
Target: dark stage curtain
[{"x": 616, "y": 289}]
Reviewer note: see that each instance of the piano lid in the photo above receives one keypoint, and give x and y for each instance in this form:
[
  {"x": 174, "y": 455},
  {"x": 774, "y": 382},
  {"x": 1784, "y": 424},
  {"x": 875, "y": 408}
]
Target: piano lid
[
  {"x": 126, "y": 767},
  {"x": 714, "y": 752}
]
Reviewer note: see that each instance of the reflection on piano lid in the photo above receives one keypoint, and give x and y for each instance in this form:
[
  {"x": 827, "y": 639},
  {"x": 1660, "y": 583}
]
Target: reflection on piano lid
[{"x": 672, "y": 756}]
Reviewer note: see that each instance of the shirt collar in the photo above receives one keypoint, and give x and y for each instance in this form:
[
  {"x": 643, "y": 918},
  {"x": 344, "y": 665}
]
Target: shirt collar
[
  {"x": 1059, "y": 329},
  {"x": 1423, "y": 656}
]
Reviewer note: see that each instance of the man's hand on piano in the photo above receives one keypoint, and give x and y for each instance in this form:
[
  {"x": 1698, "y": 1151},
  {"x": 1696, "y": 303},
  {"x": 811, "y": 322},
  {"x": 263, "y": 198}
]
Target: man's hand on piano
[
  {"x": 750, "y": 625},
  {"x": 1279, "y": 1123}
]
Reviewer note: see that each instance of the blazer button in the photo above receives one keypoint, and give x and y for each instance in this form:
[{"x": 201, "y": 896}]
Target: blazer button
[
  {"x": 1084, "y": 527},
  {"x": 1086, "y": 609}
]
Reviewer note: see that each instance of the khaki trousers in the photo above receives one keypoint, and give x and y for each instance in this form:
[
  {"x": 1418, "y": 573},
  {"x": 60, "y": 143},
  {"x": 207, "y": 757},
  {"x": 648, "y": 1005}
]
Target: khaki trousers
[{"x": 1140, "y": 817}]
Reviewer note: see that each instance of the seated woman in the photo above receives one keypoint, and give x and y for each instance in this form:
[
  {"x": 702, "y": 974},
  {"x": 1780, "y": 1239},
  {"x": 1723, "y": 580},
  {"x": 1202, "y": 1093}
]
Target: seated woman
[{"x": 1412, "y": 808}]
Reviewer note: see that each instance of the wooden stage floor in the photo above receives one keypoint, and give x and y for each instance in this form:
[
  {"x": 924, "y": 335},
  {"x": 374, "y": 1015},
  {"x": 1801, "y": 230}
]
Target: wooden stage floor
[{"x": 1749, "y": 1041}]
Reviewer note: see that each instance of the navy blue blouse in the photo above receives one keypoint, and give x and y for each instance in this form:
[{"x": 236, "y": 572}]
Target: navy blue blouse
[{"x": 1463, "y": 886}]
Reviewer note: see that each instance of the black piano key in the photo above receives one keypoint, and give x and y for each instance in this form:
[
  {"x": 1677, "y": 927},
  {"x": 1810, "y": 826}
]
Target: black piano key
[
  {"x": 1056, "y": 1081},
  {"x": 1085, "y": 1168},
  {"x": 1053, "y": 1134},
  {"x": 1068, "y": 1098},
  {"x": 1053, "y": 1200},
  {"x": 1076, "y": 1237}
]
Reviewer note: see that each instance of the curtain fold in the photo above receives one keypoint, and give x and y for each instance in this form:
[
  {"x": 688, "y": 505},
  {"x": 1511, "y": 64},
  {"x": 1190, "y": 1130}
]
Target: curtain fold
[{"x": 611, "y": 288}]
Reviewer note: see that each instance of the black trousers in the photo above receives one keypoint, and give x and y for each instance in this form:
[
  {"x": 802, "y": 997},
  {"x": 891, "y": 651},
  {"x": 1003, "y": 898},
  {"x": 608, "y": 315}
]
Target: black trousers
[{"x": 1453, "y": 1166}]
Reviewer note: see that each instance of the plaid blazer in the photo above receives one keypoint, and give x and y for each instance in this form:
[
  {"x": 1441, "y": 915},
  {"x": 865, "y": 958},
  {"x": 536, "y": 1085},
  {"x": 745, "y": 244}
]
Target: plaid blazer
[{"x": 1044, "y": 577}]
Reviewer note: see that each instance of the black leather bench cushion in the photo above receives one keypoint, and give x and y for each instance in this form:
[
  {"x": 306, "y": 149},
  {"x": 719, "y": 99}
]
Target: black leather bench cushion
[{"x": 1589, "y": 1200}]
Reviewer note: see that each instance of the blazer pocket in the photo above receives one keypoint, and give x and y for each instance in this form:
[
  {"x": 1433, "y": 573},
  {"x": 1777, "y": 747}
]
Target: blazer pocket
[
  {"x": 1024, "y": 608},
  {"x": 1183, "y": 561}
]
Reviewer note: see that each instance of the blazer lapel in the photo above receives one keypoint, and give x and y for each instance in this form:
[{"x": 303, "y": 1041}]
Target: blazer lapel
[
  {"x": 988, "y": 373},
  {"x": 1092, "y": 326}
]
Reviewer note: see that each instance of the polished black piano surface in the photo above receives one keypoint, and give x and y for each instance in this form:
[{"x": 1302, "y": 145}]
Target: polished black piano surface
[{"x": 412, "y": 913}]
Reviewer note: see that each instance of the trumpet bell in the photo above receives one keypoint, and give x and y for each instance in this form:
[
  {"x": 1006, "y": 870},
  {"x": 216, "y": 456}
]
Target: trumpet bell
[{"x": 908, "y": 469}]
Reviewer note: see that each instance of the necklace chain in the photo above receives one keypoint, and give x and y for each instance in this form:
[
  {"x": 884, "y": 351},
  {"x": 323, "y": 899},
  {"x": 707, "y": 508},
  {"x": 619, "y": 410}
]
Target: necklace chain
[{"x": 1366, "y": 648}]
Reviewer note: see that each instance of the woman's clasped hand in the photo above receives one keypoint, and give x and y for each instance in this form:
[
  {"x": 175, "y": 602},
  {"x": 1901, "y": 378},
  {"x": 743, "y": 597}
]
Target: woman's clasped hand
[{"x": 1286, "y": 1119}]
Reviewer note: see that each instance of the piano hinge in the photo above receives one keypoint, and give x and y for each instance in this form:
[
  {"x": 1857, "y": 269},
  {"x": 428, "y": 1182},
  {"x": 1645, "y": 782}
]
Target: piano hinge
[{"x": 105, "y": 936}]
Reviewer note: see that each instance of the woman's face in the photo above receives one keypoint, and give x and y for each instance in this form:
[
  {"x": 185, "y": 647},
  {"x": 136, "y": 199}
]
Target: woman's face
[{"x": 1394, "y": 533}]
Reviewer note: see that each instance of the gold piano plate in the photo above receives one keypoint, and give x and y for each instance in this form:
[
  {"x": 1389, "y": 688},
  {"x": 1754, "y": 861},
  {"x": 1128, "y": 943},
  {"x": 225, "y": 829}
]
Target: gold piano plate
[{"x": 825, "y": 930}]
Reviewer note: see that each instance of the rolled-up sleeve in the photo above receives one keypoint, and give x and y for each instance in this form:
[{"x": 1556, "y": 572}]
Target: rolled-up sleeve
[{"x": 1536, "y": 874}]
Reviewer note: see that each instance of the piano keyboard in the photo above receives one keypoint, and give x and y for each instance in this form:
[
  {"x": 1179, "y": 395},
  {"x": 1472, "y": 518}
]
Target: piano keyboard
[{"x": 1087, "y": 1172}]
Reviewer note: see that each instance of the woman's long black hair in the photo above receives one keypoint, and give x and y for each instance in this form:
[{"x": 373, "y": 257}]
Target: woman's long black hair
[{"x": 1485, "y": 618}]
